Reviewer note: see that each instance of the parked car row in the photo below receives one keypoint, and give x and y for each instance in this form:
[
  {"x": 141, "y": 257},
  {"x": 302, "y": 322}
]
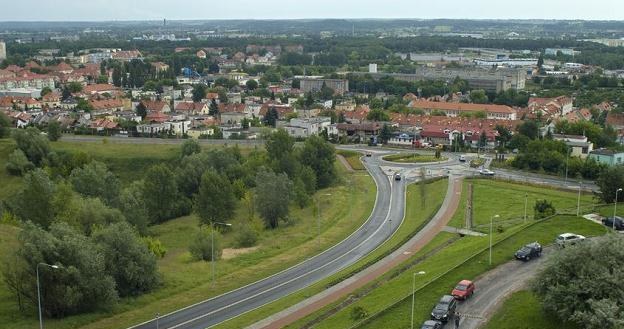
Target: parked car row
[
  {"x": 445, "y": 309},
  {"x": 534, "y": 249}
]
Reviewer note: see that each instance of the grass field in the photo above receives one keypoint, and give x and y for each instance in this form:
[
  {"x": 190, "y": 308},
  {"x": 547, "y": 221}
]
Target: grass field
[
  {"x": 524, "y": 311},
  {"x": 353, "y": 158},
  {"x": 438, "y": 280},
  {"x": 187, "y": 282},
  {"x": 492, "y": 197},
  {"x": 415, "y": 216},
  {"x": 413, "y": 158}
]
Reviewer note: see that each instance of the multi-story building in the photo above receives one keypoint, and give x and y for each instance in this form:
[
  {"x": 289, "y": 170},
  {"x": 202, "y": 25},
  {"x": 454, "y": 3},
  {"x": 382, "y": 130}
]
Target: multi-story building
[
  {"x": 340, "y": 86},
  {"x": 499, "y": 112},
  {"x": 3, "y": 54},
  {"x": 488, "y": 80},
  {"x": 37, "y": 81}
]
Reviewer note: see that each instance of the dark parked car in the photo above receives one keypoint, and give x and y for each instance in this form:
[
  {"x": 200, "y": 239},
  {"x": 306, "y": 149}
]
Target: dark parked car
[
  {"x": 431, "y": 324},
  {"x": 529, "y": 251},
  {"x": 445, "y": 309},
  {"x": 619, "y": 222},
  {"x": 397, "y": 177}
]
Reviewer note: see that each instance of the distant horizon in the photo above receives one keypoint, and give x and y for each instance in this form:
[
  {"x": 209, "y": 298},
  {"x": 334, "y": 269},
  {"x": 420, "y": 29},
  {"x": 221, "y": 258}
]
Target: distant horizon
[
  {"x": 310, "y": 19},
  {"x": 181, "y": 10}
]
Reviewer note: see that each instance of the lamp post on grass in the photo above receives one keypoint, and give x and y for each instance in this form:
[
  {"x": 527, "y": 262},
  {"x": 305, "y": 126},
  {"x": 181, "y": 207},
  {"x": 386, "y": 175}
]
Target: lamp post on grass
[
  {"x": 491, "y": 224},
  {"x": 212, "y": 253},
  {"x": 615, "y": 205},
  {"x": 318, "y": 218},
  {"x": 414, "y": 293},
  {"x": 39, "y": 290}
]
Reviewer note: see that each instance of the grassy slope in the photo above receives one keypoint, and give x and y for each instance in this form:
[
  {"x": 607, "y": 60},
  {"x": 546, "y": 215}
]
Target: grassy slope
[
  {"x": 523, "y": 311},
  {"x": 353, "y": 158},
  {"x": 342, "y": 213},
  {"x": 491, "y": 197},
  {"x": 8, "y": 184},
  {"x": 414, "y": 217}
]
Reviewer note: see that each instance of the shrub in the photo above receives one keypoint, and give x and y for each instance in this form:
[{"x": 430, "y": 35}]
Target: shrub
[
  {"x": 543, "y": 209},
  {"x": 18, "y": 164},
  {"x": 358, "y": 313},
  {"x": 201, "y": 246},
  {"x": 246, "y": 237}
]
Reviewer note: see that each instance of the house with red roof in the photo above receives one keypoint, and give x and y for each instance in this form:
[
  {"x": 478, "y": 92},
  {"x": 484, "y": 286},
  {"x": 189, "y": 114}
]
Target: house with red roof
[
  {"x": 157, "y": 106},
  {"x": 192, "y": 108},
  {"x": 502, "y": 112}
]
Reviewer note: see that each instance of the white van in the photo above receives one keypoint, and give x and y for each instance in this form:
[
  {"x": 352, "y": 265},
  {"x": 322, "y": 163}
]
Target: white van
[{"x": 462, "y": 158}]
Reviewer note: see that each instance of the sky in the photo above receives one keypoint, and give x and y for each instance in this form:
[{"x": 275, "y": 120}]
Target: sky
[{"x": 102, "y": 10}]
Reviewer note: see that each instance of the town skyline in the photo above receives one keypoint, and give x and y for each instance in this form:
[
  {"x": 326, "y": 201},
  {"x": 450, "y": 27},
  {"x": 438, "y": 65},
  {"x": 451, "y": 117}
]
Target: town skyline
[{"x": 117, "y": 10}]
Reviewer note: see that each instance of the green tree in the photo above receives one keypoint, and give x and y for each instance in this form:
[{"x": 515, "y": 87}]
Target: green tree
[
  {"x": 504, "y": 135},
  {"x": 252, "y": 84},
  {"x": 581, "y": 284},
  {"x": 199, "y": 92},
  {"x": 609, "y": 181},
  {"x": 190, "y": 147},
  {"x": 74, "y": 87},
  {"x": 18, "y": 164},
  {"x": 543, "y": 209},
  {"x": 34, "y": 202},
  {"x": 80, "y": 284},
  {"x": 141, "y": 110},
  {"x": 271, "y": 117},
  {"x": 479, "y": 96},
  {"x": 215, "y": 201},
  {"x": 132, "y": 205},
  {"x": 214, "y": 108},
  {"x": 385, "y": 134},
  {"x": 529, "y": 129},
  {"x": 320, "y": 156},
  {"x": 45, "y": 91},
  {"x": 5, "y": 125},
  {"x": 273, "y": 195},
  {"x": 160, "y": 193},
  {"x": 54, "y": 131},
  {"x": 96, "y": 181},
  {"x": 377, "y": 115},
  {"x": 88, "y": 214},
  {"x": 35, "y": 146},
  {"x": 127, "y": 259}
]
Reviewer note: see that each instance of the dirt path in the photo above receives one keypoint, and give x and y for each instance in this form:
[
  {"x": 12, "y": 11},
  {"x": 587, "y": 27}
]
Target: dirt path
[
  {"x": 494, "y": 287},
  {"x": 369, "y": 274},
  {"x": 345, "y": 162}
]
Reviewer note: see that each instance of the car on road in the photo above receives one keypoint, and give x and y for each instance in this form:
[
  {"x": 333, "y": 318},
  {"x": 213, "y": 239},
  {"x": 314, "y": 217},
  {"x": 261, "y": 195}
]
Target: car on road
[
  {"x": 486, "y": 172},
  {"x": 463, "y": 290},
  {"x": 397, "y": 177},
  {"x": 368, "y": 154},
  {"x": 568, "y": 239},
  {"x": 462, "y": 158},
  {"x": 431, "y": 324},
  {"x": 618, "y": 225},
  {"x": 444, "y": 309},
  {"x": 531, "y": 250}
]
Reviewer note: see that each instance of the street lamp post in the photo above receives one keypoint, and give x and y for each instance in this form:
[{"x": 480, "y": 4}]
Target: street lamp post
[
  {"x": 578, "y": 200},
  {"x": 318, "y": 219},
  {"x": 526, "y": 201},
  {"x": 157, "y": 316},
  {"x": 39, "y": 291},
  {"x": 491, "y": 224},
  {"x": 212, "y": 254},
  {"x": 414, "y": 293},
  {"x": 615, "y": 205},
  {"x": 567, "y": 157}
]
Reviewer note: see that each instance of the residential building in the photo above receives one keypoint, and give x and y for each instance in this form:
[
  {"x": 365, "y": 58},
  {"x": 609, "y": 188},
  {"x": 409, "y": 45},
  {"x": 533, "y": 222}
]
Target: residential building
[
  {"x": 607, "y": 157},
  {"x": 510, "y": 62},
  {"x": 27, "y": 80},
  {"x": 307, "y": 127},
  {"x": 192, "y": 108},
  {"x": 403, "y": 139},
  {"x": 3, "y": 54},
  {"x": 157, "y": 106},
  {"x": 501, "y": 112},
  {"x": 579, "y": 146},
  {"x": 127, "y": 55},
  {"x": 200, "y": 132},
  {"x": 340, "y": 86}
]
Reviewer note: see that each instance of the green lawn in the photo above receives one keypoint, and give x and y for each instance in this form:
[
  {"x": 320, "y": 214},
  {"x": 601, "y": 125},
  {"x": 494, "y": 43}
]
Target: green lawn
[
  {"x": 415, "y": 217},
  {"x": 392, "y": 300},
  {"x": 493, "y": 197},
  {"x": 413, "y": 158},
  {"x": 523, "y": 310},
  {"x": 353, "y": 158}
]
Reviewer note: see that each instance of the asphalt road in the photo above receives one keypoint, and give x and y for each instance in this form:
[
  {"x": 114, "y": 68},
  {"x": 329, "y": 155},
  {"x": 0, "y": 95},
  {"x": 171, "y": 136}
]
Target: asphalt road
[
  {"x": 494, "y": 287},
  {"x": 384, "y": 220},
  {"x": 161, "y": 141}
]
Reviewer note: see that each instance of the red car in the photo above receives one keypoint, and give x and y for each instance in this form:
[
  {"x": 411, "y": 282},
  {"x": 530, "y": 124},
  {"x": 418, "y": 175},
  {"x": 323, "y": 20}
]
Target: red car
[{"x": 463, "y": 290}]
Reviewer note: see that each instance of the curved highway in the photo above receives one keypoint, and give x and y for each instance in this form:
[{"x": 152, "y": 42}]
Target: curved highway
[{"x": 384, "y": 220}]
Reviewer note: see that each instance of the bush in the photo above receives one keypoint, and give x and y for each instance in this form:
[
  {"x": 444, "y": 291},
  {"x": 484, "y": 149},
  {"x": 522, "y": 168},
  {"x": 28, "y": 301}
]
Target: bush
[
  {"x": 358, "y": 313},
  {"x": 155, "y": 246},
  {"x": 246, "y": 237},
  {"x": 201, "y": 246},
  {"x": 18, "y": 164},
  {"x": 543, "y": 209}
]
